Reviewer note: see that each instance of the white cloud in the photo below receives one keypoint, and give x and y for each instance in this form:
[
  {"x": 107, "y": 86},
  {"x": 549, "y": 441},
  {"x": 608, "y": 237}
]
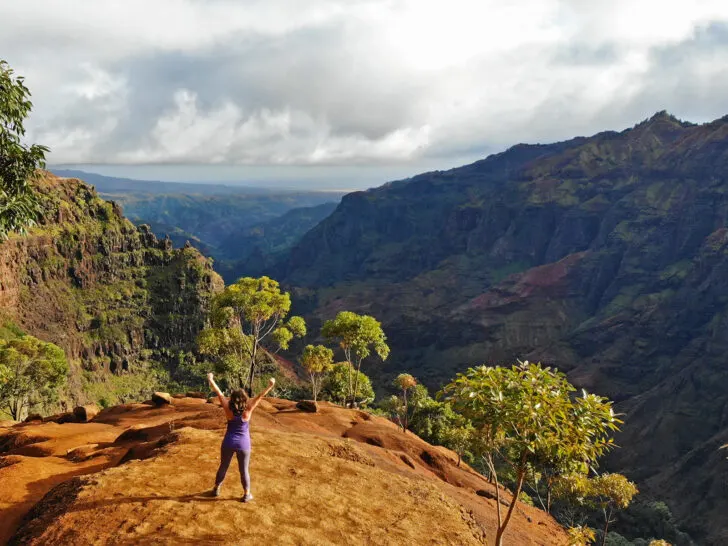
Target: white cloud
[{"x": 284, "y": 82}]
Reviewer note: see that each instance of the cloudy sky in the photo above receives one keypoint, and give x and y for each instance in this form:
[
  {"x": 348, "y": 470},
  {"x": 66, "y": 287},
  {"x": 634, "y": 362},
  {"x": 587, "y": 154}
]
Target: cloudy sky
[{"x": 350, "y": 93}]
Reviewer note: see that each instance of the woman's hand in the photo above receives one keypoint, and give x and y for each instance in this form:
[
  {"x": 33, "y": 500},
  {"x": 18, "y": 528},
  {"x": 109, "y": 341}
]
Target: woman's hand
[
  {"x": 210, "y": 377},
  {"x": 272, "y": 382}
]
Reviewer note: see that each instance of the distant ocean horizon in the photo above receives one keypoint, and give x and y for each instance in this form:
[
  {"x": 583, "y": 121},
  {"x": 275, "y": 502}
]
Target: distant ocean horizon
[{"x": 333, "y": 178}]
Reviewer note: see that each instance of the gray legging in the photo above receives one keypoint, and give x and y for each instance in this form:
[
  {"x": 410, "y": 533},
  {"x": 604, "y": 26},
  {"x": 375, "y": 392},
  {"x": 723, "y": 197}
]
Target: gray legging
[{"x": 226, "y": 456}]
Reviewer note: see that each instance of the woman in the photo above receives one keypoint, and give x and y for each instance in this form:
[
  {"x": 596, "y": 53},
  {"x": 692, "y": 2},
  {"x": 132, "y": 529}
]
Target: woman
[{"x": 238, "y": 410}]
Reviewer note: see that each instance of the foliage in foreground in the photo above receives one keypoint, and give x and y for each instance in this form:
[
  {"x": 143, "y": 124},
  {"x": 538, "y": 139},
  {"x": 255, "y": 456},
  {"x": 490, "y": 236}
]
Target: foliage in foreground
[
  {"x": 19, "y": 205},
  {"x": 524, "y": 414}
]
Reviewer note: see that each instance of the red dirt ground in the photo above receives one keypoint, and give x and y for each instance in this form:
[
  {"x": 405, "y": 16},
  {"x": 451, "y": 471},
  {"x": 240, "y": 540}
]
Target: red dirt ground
[{"x": 338, "y": 476}]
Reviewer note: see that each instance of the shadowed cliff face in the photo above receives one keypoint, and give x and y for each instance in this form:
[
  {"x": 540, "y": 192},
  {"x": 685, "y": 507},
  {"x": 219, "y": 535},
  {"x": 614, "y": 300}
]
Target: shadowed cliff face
[
  {"x": 110, "y": 294},
  {"x": 605, "y": 256}
]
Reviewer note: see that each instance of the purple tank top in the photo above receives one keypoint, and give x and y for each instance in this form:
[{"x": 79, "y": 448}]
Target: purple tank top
[{"x": 237, "y": 435}]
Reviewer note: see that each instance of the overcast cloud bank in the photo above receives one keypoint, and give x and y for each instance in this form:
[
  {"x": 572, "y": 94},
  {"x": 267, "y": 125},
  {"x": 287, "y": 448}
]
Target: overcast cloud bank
[{"x": 354, "y": 82}]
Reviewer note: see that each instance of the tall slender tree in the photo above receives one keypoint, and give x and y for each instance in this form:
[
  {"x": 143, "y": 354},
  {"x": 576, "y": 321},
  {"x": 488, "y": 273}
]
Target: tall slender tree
[
  {"x": 257, "y": 308},
  {"x": 317, "y": 360},
  {"x": 405, "y": 382},
  {"x": 357, "y": 336},
  {"x": 524, "y": 410}
]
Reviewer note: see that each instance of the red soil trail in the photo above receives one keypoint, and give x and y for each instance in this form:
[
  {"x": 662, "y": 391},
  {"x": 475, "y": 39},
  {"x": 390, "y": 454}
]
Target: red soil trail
[{"x": 138, "y": 474}]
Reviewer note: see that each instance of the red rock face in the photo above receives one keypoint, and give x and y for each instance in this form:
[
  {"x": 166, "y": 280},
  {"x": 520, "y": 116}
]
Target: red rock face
[{"x": 550, "y": 280}]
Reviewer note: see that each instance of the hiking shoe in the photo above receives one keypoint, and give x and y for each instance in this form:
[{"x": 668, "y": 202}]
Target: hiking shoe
[
  {"x": 247, "y": 497},
  {"x": 216, "y": 490}
]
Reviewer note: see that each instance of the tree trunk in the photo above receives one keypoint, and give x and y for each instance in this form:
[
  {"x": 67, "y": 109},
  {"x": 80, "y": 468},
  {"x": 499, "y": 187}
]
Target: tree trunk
[
  {"x": 406, "y": 412},
  {"x": 548, "y": 497},
  {"x": 494, "y": 475},
  {"x": 347, "y": 354},
  {"x": 356, "y": 384},
  {"x": 607, "y": 518},
  {"x": 251, "y": 373},
  {"x": 514, "y": 500},
  {"x": 314, "y": 386}
]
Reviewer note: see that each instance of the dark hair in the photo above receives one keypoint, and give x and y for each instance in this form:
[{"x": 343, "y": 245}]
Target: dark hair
[{"x": 238, "y": 401}]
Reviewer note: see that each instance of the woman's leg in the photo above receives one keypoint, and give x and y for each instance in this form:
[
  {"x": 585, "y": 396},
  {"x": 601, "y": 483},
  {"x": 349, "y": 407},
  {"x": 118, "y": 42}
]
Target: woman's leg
[
  {"x": 226, "y": 455},
  {"x": 244, "y": 466}
]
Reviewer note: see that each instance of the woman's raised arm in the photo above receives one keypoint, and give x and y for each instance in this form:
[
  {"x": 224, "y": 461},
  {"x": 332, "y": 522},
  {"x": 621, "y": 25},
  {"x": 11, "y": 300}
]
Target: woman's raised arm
[
  {"x": 254, "y": 403},
  {"x": 213, "y": 385}
]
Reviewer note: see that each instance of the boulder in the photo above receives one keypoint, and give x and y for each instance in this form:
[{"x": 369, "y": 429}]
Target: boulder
[
  {"x": 161, "y": 398},
  {"x": 85, "y": 413},
  {"x": 492, "y": 496},
  {"x": 196, "y": 394},
  {"x": 33, "y": 417},
  {"x": 308, "y": 406},
  {"x": 60, "y": 418}
]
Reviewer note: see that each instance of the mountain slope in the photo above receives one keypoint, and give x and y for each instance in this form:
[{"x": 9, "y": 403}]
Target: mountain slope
[
  {"x": 338, "y": 476},
  {"x": 110, "y": 294},
  {"x": 605, "y": 256},
  {"x": 255, "y": 250}
]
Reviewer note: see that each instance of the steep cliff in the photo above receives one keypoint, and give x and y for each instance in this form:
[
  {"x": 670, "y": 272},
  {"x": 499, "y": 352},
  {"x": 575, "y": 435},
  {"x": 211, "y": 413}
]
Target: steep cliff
[
  {"x": 110, "y": 294},
  {"x": 606, "y": 256}
]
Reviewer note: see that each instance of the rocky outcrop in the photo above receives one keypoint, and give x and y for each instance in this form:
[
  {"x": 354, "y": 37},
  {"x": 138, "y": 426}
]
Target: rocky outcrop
[
  {"x": 308, "y": 406},
  {"x": 110, "y": 294},
  {"x": 85, "y": 413},
  {"x": 161, "y": 399}
]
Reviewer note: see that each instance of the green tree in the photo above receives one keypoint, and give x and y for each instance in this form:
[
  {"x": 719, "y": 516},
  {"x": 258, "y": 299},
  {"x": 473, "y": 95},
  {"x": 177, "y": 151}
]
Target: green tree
[
  {"x": 31, "y": 373},
  {"x": 317, "y": 361},
  {"x": 606, "y": 493},
  {"x": 527, "y": 409},
  {"x": 19, "y": 206},
  {"x": 229, "y": 349},
  {"x": 580, "y": 536},
  {"x": 357, "y": 335},
  {"x": 609, "y": 493},
  {"x": 459, "y": 439},
  {"x": 404, "y": 382},
  {"x": 336, "y": 385},
  {"x": 257, "y": 308},
  {"x": 545, "y": 468},
  {"x": 573, "y": 490}
]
